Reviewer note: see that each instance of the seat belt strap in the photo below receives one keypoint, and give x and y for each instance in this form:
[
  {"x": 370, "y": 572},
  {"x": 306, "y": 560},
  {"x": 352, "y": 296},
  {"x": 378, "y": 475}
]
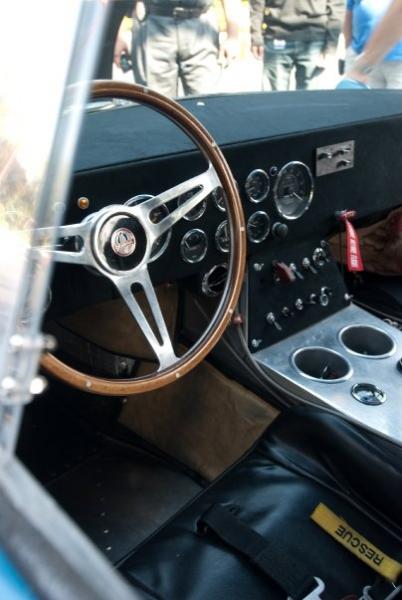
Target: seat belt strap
[{"x": 273, "y": 561}]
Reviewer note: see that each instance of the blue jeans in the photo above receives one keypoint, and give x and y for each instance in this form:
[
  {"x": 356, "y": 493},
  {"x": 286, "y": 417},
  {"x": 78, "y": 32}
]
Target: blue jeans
[{"x": 282, "y": 56}]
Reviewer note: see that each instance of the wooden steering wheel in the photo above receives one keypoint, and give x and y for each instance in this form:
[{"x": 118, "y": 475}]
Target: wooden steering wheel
[{"x": 117, "y": 241}]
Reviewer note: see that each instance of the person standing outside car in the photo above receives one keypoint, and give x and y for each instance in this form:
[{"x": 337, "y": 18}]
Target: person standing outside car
[
  {"x": 361, "y": 19},
  {"x": 176, "y": 43},
  {"x": 299, "y": 35}
]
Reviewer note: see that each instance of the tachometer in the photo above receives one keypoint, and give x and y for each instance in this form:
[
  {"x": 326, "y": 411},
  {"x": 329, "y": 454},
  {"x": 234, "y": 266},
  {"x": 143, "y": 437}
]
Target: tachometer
[
  {"x": 294, "y": 189},
  {"x": 258, "y": 227},
  {"x": 194, "y": 246},
  {"x": 257, "y": 185}
]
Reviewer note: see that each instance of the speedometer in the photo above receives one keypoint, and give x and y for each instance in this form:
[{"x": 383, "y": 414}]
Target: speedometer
[{"x": 294, "y": 189}]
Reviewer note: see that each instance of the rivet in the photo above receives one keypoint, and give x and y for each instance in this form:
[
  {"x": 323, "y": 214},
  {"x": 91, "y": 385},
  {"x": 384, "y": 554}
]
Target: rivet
[
  {"x": 83, "y": 202},
  {"x": 177, "y": 374}
]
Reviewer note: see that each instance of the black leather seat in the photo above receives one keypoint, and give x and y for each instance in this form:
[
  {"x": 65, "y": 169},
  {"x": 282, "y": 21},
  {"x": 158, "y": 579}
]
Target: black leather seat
[{"x": 305, "y": 458}]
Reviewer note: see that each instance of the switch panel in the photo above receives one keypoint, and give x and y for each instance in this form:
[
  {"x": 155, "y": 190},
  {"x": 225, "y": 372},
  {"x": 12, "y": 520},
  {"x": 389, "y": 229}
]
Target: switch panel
[
  {"x": 335, "y": 158},
  {"x": 291, "y": 288}
]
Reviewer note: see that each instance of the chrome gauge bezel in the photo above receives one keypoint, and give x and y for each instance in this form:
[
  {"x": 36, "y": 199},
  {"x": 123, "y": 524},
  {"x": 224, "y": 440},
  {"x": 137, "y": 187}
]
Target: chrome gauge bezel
[
  {"x": 195, "y": 213},
  {"x": 280, "y": 176},
  {"x": 142, "y": 198},
  {"x": 266, "y": 233},
  {"x": 205, "y": 283},
  {"x": 257, "y": 173},
  {"x": 216, "y": 201},
  {"x": 183, "y": 241},
  {"x": 217, "y": 237}
]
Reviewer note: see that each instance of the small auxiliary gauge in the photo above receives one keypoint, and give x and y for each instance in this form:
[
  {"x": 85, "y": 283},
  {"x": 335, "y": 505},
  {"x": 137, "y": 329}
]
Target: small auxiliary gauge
[
  {"x": 219, "y": 199},
  {"x": 198, "y": 210},
  {"x": 213, "y": 282},
  {"x": 258, "y": 227},
  {"x": 257, "y": 185},
  {"x": 294, "y": 189},
  {"x": 194, "y": 246},
  {"x": 222, "y": 237}
]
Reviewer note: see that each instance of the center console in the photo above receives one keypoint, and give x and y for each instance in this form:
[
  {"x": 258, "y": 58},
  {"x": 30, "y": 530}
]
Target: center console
[
  {"x": 349, "y": 362},
  {"x": 306, "y": 334}
]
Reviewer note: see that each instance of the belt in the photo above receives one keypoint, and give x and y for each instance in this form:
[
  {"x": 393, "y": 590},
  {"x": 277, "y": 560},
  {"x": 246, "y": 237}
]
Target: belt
[{"x": 176, "y": 12}]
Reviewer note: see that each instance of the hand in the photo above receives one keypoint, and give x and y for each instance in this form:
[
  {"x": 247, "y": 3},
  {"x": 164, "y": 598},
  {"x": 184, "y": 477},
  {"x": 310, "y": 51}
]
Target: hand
[
  {"x": 120, "y": 47},
  {"x": 257, "y": 52}
]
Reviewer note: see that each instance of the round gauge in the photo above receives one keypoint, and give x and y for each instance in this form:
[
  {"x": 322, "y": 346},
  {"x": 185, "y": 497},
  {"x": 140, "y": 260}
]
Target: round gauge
[
  {"x": 293, "y": 190},
  {"x": 222, "y": 237},
  {"x": 258, "y": 227},
  {"x": 219, "y": 199},
  {"x": 257, "y": 185},
  {"x": 214, "y": 281},
  {"x": 156, "y": 216},
  {"x": 198, "y": 210},
  {"x": 194, "y": 246}
]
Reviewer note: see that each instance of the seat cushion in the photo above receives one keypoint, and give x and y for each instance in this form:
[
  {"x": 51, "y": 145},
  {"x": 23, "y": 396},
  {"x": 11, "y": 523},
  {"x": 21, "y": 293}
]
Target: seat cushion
[{"x": 307, "y": 457}]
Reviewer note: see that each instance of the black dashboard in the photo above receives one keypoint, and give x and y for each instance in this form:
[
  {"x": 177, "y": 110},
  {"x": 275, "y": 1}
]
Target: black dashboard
[{"x": 274, "y": 145}]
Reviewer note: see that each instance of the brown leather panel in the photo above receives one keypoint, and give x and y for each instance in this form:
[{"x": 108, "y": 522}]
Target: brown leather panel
[
  {"x": 111, "y": 325},
  {"x": 205, "y": 420}
]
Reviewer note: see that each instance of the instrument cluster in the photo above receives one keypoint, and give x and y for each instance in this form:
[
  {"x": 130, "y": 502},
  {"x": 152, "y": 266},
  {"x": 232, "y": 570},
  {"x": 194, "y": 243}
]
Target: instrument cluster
[{"x": 271, "y": 200}]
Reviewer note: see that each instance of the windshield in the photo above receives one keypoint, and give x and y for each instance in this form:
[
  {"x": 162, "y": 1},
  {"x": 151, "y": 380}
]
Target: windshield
[{"x": 195, "y": 47}]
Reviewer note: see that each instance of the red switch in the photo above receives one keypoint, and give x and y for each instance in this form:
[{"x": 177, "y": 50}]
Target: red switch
[{"x": 283, "y": 273}]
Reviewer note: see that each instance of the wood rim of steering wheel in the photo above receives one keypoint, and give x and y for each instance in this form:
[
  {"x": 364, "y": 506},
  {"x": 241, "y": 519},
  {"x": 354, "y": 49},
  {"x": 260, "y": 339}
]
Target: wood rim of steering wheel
[{"x": 222, "y": 317}]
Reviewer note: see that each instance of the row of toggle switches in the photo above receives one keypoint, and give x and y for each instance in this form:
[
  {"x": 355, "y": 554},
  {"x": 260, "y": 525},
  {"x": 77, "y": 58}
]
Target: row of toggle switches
[
  {"x": 322, "y": 298},
  {"x": 288, "y": 273}
]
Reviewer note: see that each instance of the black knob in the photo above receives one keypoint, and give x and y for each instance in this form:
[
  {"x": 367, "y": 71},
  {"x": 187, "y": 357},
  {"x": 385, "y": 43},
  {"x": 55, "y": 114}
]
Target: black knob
[
  {"x": 280, "y": 230},
  {"x": 399, "y": 365}
]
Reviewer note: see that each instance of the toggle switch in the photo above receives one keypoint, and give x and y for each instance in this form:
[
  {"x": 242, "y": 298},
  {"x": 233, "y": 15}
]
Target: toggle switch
[
  {"x": 306, "y": 264},
  {"x": 295, "y": 270},
  {"x": 271, "y": 320},
  {"x": 283, "y": 273},
  {"x": 344, "y": 162},
  {"x": 299, "y": 304}
]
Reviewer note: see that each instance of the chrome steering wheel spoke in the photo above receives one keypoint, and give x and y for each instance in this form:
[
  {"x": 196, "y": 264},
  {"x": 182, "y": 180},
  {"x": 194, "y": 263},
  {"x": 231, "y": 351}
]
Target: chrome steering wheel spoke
[
  {"x": 157, "y": 336},
  {"x": 202, "y": 185},
  {"x": 45, "y": 240}
]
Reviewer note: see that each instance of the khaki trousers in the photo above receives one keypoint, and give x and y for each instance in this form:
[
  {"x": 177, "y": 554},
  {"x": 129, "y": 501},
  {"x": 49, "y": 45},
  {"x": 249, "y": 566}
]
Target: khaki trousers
[{"x": 176, "y": 55}]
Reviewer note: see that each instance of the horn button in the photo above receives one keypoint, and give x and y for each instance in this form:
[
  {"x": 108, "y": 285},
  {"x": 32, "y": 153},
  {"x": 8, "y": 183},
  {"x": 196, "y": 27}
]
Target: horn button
[{"x": 120, "y": 243}]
